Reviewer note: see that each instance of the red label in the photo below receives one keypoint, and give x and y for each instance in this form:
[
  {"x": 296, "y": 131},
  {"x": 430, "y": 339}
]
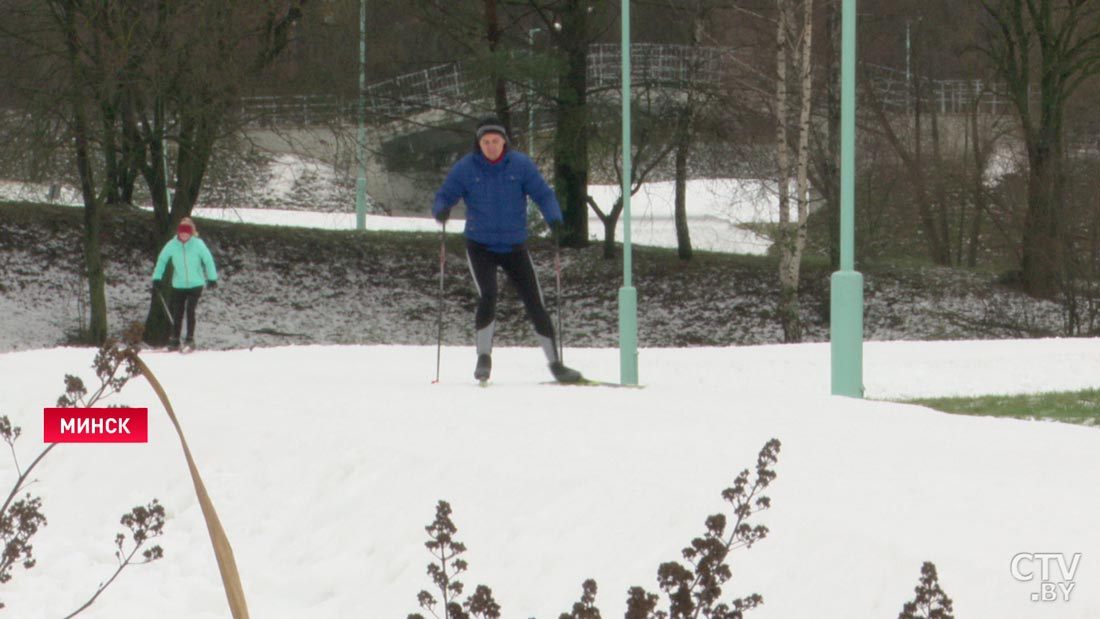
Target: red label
[{"x": 96, "y": 425}]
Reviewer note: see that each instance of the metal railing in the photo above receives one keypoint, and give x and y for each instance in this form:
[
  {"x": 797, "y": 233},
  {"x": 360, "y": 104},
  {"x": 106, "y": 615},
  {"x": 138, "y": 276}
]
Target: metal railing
[
  {"x": 446, "y": 86},
  {"x": 896, "y": 90},
  {"x": 452, "y": 86},
  {"x": 655, "y": 65},
  {"x": 298, "y": 109}
]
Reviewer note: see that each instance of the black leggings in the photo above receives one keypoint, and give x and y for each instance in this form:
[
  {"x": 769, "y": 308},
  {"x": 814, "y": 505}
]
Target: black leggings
[
  {"x": 184, "y": 299},
  {"x": 519, "y": 269}
]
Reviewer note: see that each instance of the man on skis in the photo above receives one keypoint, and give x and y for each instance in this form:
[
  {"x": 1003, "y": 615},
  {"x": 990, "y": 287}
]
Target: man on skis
[{"x": 494, "y": 181}]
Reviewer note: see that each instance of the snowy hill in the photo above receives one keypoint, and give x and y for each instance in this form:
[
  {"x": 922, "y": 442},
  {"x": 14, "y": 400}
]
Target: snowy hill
[{"x": 326, "y": 463}]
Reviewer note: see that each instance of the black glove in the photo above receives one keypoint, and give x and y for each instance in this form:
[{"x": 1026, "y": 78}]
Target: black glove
[
  {"x": 557, "y": 227},
  {"x": 211, "y": 283},
  {"x": 155, "y": 286},
  {"x": 443, "y": 216}
]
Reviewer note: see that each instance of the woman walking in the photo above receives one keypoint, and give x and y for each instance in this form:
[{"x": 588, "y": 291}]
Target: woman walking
[
  {"x": 494, "y": 182},
  {"x": 192, "y": 270}
]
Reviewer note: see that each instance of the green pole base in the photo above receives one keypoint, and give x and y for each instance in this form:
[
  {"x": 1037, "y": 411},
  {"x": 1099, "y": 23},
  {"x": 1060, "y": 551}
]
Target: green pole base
[
  {"x": 628, "y": 335},
  {"x": 846, "y": 333},
  {"x": 361, "y": 204}
]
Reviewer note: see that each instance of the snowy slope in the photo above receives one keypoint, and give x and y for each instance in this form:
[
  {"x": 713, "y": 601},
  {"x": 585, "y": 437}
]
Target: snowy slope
[
  {"x": 326, "y": 463},
  {"x": 718, "y": 209}
]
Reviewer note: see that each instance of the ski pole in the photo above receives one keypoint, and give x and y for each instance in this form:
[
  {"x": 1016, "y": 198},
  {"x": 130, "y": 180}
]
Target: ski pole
[
  {"x": 557, "y": 301},
  {"x": 167, "y": 312},
  {"x": 442, "y": 268}
]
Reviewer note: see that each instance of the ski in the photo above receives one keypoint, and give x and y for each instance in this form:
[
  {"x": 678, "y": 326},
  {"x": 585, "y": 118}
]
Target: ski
[
  {"x": 167, "y": 351},
  {"x": 146, "y": 349},
  {"x": 588, "y": 382},
  {"x": 483, "y": 383}
]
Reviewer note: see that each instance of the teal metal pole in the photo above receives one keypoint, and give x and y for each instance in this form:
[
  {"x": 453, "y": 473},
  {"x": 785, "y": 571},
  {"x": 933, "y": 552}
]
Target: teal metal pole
[
  {"x": 628, "y": 296},
  {"x": 361, "y": 183},
  {"x": 846, "y": 304}
]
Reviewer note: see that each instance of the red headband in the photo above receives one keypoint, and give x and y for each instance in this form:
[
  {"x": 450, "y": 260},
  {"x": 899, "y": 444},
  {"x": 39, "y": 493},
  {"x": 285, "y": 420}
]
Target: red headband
[{"x": 185, "y": 228}]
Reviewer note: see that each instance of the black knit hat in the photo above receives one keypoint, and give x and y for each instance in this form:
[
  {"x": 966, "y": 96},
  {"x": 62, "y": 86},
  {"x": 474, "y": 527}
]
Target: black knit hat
[{"x": 491, "y": 124}]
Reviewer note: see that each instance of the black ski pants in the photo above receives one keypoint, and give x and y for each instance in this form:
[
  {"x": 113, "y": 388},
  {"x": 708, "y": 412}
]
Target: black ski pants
[
  {"x": 517, "y": 265},
  {"x": 184, "y": 300}
]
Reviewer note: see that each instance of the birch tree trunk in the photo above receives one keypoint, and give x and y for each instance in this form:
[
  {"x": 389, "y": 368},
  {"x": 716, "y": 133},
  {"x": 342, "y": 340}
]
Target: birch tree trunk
[
  {"x": 803, "y": 187},
  {"x": 791, "y": 237}
]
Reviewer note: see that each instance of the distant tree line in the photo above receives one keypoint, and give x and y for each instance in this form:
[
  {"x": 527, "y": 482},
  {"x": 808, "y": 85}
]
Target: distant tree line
[{"x": 978, "y": 144}]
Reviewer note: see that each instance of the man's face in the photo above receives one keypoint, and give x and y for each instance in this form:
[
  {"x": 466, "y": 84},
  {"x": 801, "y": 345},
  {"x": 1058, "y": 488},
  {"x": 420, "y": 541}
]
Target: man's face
[{"x": 492, "y": 145}]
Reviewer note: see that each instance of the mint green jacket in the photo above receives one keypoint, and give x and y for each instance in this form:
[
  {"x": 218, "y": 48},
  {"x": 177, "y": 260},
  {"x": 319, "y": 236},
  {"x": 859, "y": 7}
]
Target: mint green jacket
[{"x": 192, "y": 263}]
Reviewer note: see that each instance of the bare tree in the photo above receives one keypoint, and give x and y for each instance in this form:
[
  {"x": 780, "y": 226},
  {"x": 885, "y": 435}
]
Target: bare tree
[
  {"x": 66, "y": 14},
  {"x": 794, "y": 43},
  {"x": 825, "y": 133},
  {"x": 651, "y": 141},
  {"x": 1049, "y": 48},
  {"x": 493, "y": 34},
  {"x": 568, "y": 21},
  {"x": 694, "y": 105},
  {"x": 926, "y": 174},
  {"x": 208, "y": 54},
  {"x": 126, "y": 79}
]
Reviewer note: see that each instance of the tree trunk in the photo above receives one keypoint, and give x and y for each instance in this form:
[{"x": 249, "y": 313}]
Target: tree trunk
[
  {"x": 571, "y": 137},
  {"x": 1042, "y": 240},
  {"x": 93, "y": 216},
  {"x": 794, "y": 332},
  {"x": 112, "y": 174},
  {"x": 93, "y": 231},
  {"x": 151, "y": 136},
  {"x": 784, "y": 238},
  {"x": 1060, "y": 42},
  {"x": 609, "y": 226},
  {"x": 942, "y": 219},
  {"x": 792, "y": 235},
  {"x": 979, "y": 190},
  {"x": 937, "y": 243},
  {"x": 196, "y": 143},
  {"x": 132, "y": 151},
  {"x": 158, "y": 325},
  {"x": 683, "y": 235},
  {"x": 610, "y": 221},
  {"x": 829, "y": 177},
  {"x": 916, "y": 174},
  {"x": 684, "y": 131},
  {"x": 500, "y": 85}
]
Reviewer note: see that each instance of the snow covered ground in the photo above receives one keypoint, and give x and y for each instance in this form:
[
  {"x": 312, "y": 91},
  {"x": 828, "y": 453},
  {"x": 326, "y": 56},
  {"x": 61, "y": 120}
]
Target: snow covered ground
[
  {"x": 718, "y": 210},
  {"x": 326, "y": 463}
]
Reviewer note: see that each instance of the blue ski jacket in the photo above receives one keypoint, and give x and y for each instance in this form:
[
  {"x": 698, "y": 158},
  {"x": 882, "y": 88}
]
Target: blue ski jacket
[
  {"x": 496, "y": 198},
  {"x": 192, "y": 263}
]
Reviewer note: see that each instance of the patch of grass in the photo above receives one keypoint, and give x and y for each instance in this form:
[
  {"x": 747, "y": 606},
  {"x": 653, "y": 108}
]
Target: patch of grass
[{"x": 1079, "y": 407}]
